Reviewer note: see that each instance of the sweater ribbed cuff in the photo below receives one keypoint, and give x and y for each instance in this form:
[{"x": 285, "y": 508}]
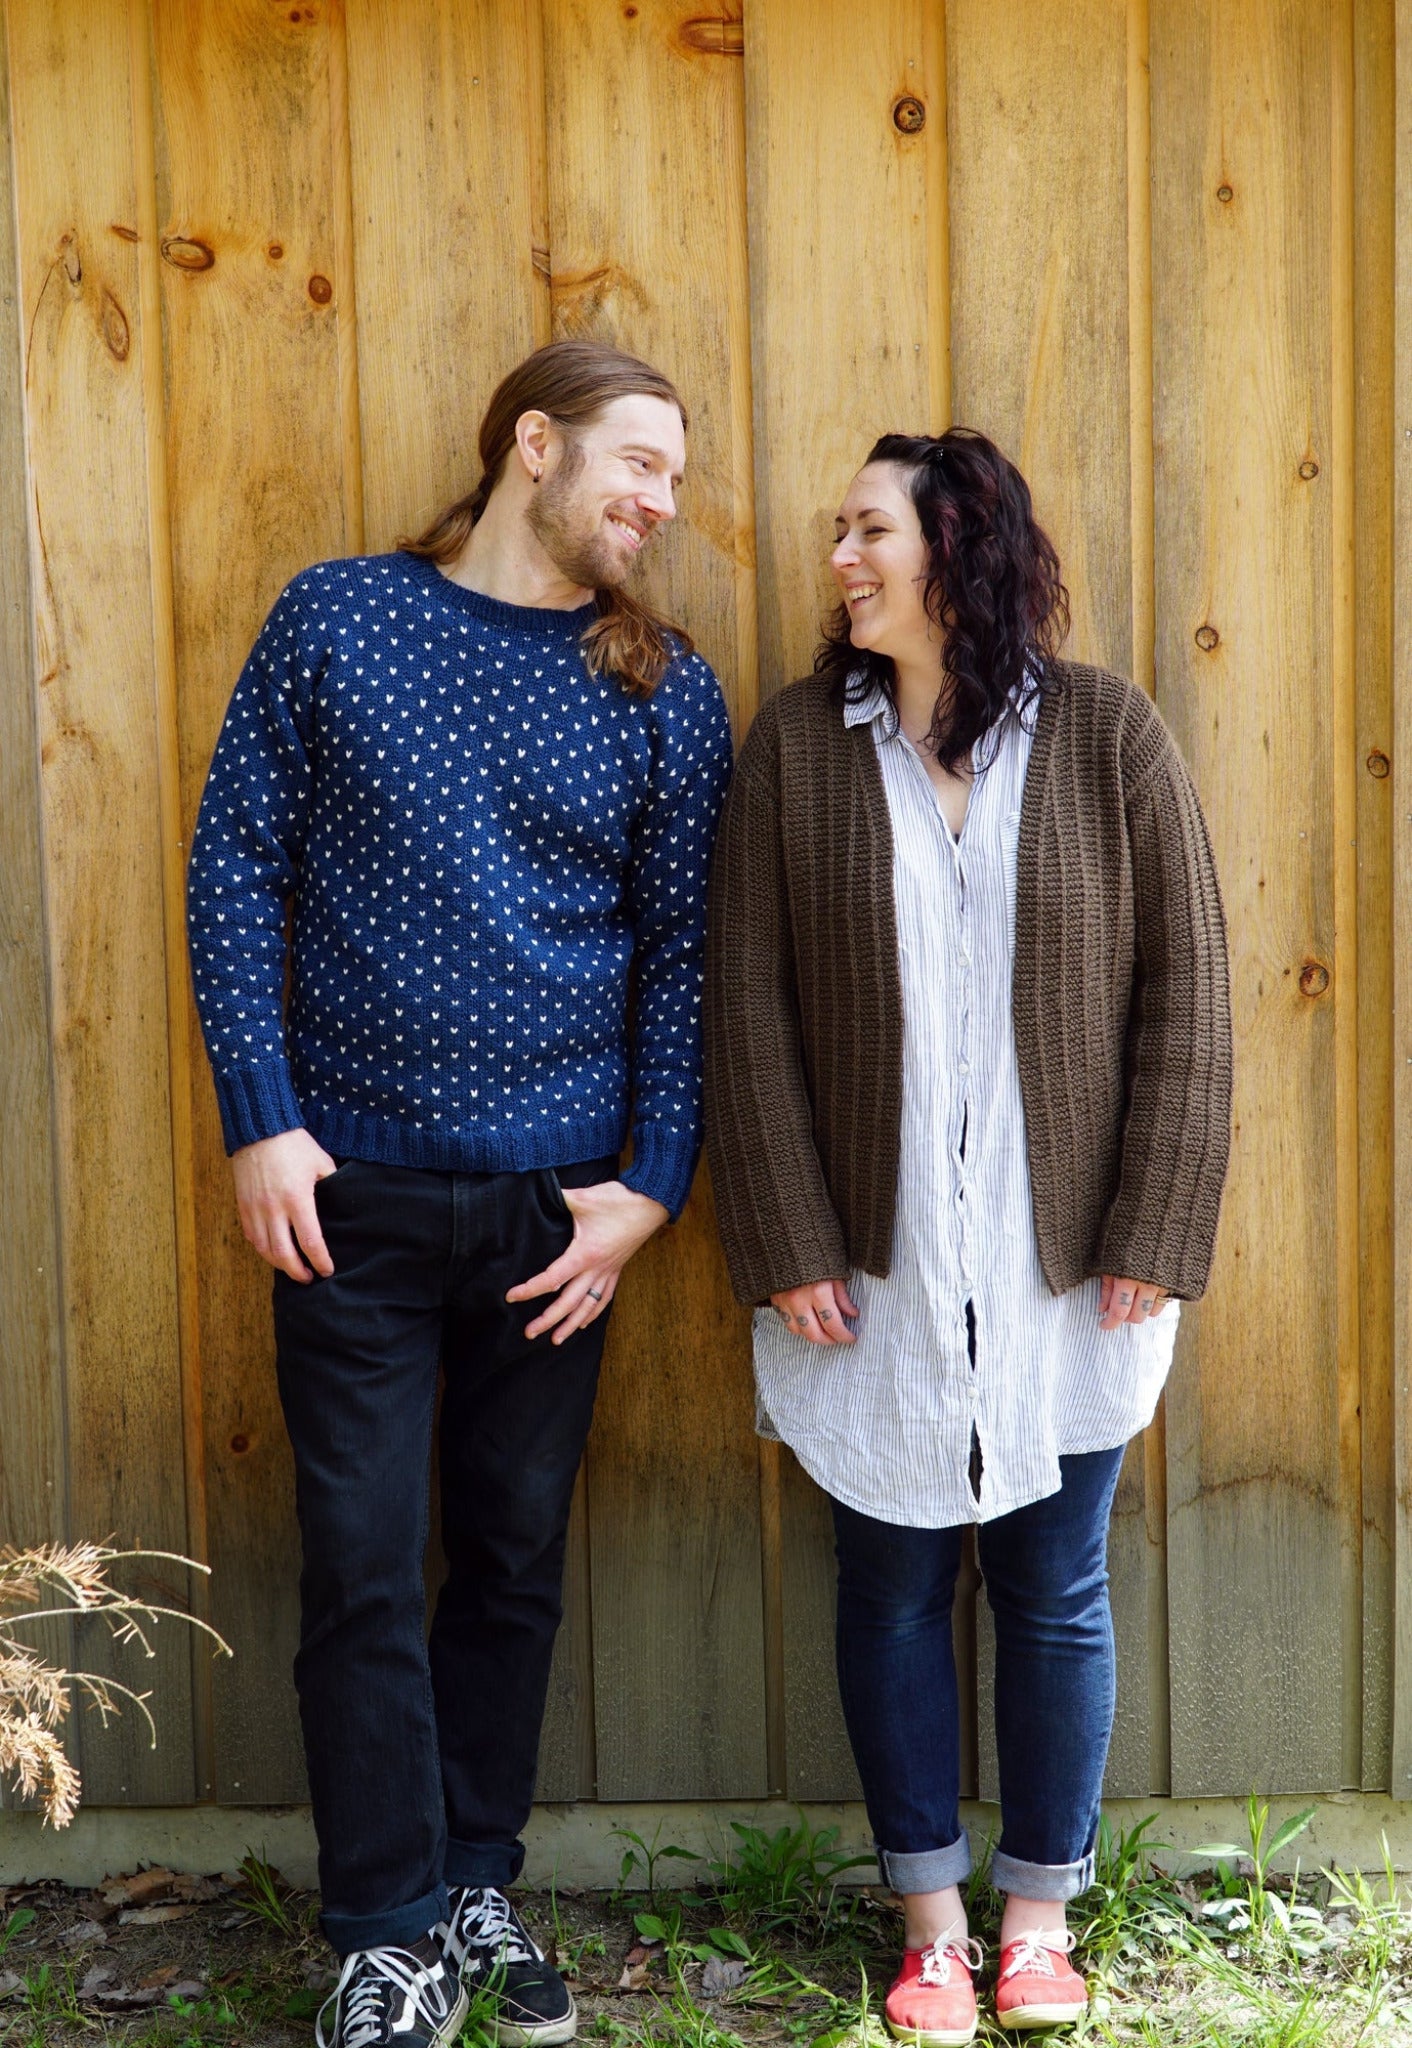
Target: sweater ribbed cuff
[
  {"x": 256, "y": 1103},
  {"x": 663, "y": 1165}
]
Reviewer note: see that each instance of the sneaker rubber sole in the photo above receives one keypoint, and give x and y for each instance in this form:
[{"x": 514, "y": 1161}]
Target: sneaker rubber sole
[
  {"x": 932, "y": 2037},
  {"x": 1040, "y": 2016},
  {"x": 548, "y": 2034}
]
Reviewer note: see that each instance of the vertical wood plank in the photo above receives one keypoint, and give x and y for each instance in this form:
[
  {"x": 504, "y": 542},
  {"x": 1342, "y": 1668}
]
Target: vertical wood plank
[
  {"x": 1242, "y": 319},
  {"x": 654, "y": 260},
  {"x": 33, "y": 1477},
  {"x": 77, "y": 209},
  {"x": 1039, "y": 329},
  {"x": 1040, "y": 315},
  {"x": 843, "y": 350},
  {"x": 1401, "y": 1760},
  {"x": 1374, "y": 122},
  {"x": 451, "y": 270},
  {"x": 450, "y": 297},
  {"x": 250, "y": 293}
]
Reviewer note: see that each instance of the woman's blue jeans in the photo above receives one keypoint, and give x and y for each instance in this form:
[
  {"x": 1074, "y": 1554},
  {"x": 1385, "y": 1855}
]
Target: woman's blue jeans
[{"x": 1046, "y": 1575}]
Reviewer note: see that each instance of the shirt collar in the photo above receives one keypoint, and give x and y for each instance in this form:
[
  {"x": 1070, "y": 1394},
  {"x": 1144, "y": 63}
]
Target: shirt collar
[{"x": 874, "y": 704}]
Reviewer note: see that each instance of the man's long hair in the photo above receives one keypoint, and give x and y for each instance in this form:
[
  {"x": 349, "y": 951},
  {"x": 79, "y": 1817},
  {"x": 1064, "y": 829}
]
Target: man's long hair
[
  {"x": 571, "y": 382},
  {"x": 992, "y": 589}
]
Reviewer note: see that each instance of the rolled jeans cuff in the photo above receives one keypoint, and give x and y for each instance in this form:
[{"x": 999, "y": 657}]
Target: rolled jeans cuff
[
  {"x": 1053, "y": 1882},
  {"x": 926, "y": 1870},
  {"x": 482, "y": 1864},
  {"x": 398, "y": 1927}
]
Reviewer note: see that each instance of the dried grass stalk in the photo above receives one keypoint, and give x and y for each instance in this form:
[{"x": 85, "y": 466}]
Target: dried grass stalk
[{"x": 54, "y": 1581}]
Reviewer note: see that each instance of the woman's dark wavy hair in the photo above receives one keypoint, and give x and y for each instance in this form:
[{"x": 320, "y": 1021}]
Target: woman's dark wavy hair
[{"x": 992, "y": 587}]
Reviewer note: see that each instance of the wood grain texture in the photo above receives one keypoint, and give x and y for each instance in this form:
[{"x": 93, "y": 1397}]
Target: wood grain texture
[
  {"x": 33, "y": 1465},
  {"x": 90, "y": 542},
  {"x": 254, "y": 424},
  {"x": 451, "y": 266},
  {"x": 1039, "y": 292},
  {"x": 1401, "y": 1750},
  {"x": 1039, "y": 313},
  {"x": 644, "y": 138},
  {"x": 1242, "y": 319},
  {"x": 844, "y": 349},
  {"x": 1374, "y": 120}
]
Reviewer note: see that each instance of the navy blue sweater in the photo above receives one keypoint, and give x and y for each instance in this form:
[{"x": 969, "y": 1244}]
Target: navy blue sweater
[{"x": 478, "y": 836}]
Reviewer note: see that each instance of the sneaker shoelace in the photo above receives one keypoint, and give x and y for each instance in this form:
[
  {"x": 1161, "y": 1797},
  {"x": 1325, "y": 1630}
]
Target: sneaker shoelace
[
  {"x": 372, "y": 1977},
  {"x": 487, "y": 1920},
  {"x": 1034, "y": 1954},
  {"x": 937, "y": 1960}
]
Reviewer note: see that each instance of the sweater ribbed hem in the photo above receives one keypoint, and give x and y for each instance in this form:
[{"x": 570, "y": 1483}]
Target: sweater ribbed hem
[
  {"x": 661, "y": 1168},
  {"x": 255, "y": 1103}
]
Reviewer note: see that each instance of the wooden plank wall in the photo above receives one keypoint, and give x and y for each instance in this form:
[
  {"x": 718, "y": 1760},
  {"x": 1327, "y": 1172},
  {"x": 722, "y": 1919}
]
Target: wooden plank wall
[{"x": 1169, "y": 291}]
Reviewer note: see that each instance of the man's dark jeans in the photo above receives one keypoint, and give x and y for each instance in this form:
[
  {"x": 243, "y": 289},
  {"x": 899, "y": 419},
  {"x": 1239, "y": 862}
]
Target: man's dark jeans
[
  {"x": 1046, "y": 1573},
  {"x": 422, "y": 1756}
]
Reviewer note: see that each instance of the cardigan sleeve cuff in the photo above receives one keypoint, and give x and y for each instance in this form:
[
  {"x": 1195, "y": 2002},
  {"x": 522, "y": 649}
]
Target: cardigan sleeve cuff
[
  {"x": 257, "y": 1102},
  {"x": 663, "y": 1165}
]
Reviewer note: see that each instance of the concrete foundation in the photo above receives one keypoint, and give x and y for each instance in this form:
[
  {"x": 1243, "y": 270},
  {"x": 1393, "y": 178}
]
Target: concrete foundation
[{"x": 577, "y": 1845}]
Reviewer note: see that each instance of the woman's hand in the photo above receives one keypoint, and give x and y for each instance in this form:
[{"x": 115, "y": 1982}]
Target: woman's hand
[
  {"x": 1128, "y": 1301},
  {"x": 817, "y": 1311},
  {"x": 611, "y": 1222}
]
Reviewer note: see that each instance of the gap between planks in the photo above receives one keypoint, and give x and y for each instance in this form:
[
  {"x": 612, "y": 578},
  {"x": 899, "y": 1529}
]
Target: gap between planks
[{"x": 173, "y": 866}]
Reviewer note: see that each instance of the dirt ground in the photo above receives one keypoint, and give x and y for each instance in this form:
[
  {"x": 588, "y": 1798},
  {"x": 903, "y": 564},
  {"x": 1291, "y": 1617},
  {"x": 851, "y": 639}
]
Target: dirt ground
[{"x": 156, "y": 1958}]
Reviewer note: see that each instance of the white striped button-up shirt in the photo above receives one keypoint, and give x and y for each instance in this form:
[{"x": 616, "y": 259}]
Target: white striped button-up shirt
[{"x": 886, "y": 1425}]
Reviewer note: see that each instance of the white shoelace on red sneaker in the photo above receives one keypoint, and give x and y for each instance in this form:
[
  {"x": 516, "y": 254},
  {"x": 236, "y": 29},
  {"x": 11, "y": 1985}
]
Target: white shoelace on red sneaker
[
  {"x": 937, "y": 1960},
  {"x": 1033, "y": 1954}
]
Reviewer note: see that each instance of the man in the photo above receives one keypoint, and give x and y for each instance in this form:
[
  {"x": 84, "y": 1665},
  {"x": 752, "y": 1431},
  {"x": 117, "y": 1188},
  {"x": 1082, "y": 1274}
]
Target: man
[{"x": 489, "y": 780}]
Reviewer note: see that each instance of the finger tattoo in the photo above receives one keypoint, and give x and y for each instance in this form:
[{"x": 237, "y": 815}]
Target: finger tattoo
[
  {"x": 803, "y": 1322},
  {"x": 825, "y": 1315}
]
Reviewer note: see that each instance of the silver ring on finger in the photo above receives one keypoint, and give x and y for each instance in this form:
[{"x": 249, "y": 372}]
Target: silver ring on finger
[{"x": 594, "y": 1295}]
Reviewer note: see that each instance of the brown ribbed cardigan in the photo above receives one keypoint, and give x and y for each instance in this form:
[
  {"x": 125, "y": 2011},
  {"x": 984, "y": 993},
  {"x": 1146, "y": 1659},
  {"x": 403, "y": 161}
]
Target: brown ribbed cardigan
[{"x": 1121, "y": 1000}]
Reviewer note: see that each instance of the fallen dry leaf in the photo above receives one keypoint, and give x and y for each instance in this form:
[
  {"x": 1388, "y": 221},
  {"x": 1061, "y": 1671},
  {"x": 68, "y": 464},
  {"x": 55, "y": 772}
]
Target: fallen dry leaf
[
  {"x": 721, "y": 1975},
  {"x": 153, "y": 1916},
  {"x": 82, "y": 1933},
  {"x": 140, "y": 1888},
  {"x": 635, "y": 1978}
]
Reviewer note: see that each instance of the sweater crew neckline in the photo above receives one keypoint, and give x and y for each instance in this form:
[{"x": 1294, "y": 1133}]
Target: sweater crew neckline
[{"x": 538, "y": 622}]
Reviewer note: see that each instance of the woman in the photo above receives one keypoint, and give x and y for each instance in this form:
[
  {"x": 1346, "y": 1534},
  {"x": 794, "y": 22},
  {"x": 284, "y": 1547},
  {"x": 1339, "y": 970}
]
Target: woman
[{"x": 968, "y": 1073}]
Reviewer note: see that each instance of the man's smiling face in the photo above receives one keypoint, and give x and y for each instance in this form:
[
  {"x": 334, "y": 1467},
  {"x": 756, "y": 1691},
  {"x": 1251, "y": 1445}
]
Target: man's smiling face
[{"x": 607, "y": 488}]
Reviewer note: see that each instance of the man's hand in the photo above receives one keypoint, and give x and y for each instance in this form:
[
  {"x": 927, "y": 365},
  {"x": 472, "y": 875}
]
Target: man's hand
[
  {"x": 1128, "y": 1301},
  {"x": 611, "y": 1222},
  {"x": 817, "y": 1311},
  {"x": 274, "y": 1192}
]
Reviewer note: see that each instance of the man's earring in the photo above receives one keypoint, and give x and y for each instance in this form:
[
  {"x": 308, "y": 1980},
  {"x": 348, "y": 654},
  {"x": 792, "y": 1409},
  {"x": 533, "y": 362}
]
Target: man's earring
[{"x": 538, "y": 473}]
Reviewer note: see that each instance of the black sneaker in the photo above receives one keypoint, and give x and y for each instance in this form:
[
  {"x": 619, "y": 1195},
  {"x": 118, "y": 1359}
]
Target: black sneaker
[
  {"x": 392, "y": 1998},
  {"x": 487, "y": 1944}
]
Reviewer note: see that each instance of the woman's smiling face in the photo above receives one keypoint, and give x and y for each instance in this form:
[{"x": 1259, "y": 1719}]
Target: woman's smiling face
[{"x": 880, "y": 563}]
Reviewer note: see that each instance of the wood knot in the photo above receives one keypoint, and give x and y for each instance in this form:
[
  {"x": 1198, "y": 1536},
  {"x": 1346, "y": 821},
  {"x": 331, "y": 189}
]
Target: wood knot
[
  {"x": 1309, "y": 469},
  {"x": 909, "y": 116},
  {"x": 1378, "y": 764},
  {"x": 539, "y": 261},
  {"x": 124, "y": 234},
  {"x": 1313, "y": 978},
  {"x": 183, "y": 252},
  {"x": 320, "y": 290},
  {"x": 1224, "y": 194},
  {"x": 714, "y": 35},
  {"x": 240, "y": 1444},
  {"x": 112, "y": 324},
  {"x": 275, "y": 252},
  {"x": 1207, "y": 638}
]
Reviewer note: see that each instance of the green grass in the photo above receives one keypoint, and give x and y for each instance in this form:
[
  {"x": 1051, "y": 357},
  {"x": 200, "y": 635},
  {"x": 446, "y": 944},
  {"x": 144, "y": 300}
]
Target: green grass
[{"x": 1226, "y": 1955}]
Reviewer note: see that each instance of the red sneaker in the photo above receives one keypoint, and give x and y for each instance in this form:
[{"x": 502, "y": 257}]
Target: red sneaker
[
  {"x": 1036, "y": 1986},
  {"x": 932, "y": 2002}
]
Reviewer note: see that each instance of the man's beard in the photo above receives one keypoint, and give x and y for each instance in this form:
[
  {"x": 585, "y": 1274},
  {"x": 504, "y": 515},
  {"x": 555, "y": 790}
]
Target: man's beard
[{"x": 588, "y": 559}]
